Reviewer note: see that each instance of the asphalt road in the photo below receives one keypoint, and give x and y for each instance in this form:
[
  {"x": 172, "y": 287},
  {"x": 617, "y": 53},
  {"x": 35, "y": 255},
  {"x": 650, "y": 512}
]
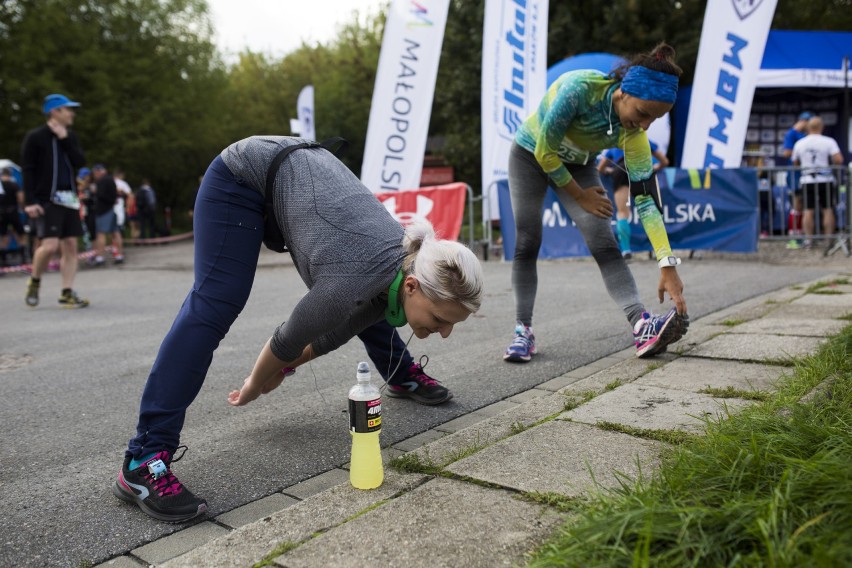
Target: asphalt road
[{"x": 72, "y": 379}]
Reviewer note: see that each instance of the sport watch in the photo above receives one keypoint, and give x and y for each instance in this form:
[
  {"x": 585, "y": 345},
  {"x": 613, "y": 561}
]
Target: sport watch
[{"x": 667, "y": 261}]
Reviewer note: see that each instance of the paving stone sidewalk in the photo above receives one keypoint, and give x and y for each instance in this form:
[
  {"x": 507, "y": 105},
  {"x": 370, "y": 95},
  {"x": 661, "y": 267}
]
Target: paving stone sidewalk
[{"x": 480, "y": 502}]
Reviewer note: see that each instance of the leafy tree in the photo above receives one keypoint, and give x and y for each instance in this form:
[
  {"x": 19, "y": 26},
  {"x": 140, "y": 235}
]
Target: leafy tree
[
  {"x": 146, "y": 72},
  {"x": 457, "y": 106}
]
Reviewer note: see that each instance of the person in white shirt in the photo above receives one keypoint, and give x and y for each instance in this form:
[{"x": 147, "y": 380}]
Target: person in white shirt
[
  {"x": 815, "y": 153},
  {"x": 123, "y": 190}
]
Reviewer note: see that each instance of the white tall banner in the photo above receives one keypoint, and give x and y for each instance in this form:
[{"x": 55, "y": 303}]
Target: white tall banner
[
  {"x": 305, "y": 113},
  {"x": 514, "y": 80},
  {"x": 402, "y": 96},
  {"x": 732, "y": 42}
]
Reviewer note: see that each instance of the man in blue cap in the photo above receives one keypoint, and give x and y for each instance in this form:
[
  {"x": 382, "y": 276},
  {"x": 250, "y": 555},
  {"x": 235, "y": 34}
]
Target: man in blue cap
[{"x": 50, "y": 156}]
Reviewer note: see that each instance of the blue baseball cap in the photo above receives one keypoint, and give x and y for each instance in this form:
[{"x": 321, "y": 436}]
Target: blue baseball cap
[
  {"x": 83, "y": 172},
  {"x": 806, "y": 115},
  {"x": 55, "y": 101}
]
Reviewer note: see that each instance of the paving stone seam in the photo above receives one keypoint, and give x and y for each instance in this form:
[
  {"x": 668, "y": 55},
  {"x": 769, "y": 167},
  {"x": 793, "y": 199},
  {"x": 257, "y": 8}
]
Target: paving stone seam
[{"x": 786, "y": 363}]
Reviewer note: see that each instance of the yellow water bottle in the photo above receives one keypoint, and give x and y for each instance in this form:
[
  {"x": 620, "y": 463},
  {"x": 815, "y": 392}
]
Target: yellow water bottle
[{"x": 365, "y": 424}]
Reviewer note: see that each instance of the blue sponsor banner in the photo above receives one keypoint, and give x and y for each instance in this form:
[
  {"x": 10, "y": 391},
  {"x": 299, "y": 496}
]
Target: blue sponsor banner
[
  {"x": 713, "y": 209},
  {"x": 560, "y": 237}
]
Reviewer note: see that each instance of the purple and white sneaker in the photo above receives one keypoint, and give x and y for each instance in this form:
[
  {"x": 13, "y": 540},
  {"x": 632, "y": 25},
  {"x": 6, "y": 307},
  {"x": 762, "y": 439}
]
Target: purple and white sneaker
[
  {"x": 652, "y": 334},
  {"x": 522, "y": 347}
]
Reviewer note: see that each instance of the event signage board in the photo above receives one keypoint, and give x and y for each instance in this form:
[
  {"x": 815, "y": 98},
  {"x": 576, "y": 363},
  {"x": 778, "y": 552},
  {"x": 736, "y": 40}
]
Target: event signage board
[
  {"x": 403, "y": 94},
  {"x": 514, "y": 80},
  {"x": 442, "y": 205},
  {"x": 733, "y": 39},
  {"x": 711, "y": 209}
]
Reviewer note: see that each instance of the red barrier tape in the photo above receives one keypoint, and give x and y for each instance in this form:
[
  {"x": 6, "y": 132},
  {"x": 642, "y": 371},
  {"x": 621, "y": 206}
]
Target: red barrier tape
[{"x": 158, "y": 240}]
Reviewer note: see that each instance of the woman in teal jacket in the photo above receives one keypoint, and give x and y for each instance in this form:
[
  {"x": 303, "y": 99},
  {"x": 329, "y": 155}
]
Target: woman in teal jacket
[{"x": 583, "y": 113}]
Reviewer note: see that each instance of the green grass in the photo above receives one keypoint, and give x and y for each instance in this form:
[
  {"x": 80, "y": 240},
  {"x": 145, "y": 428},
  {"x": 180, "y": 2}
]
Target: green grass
[
  {"x": 412, "y": 463},
  {"x": 731, "y": 392},
  {"x": 820, "y": 287},
  {"x": 667, "y": 436},
  {"x": 559, "y": 502},
  {"x": 575, "y": 400},
  {"x": 770, "y": 486},
  {"x": 276, "y": 552},
  {"x": 733, "y": 322}
]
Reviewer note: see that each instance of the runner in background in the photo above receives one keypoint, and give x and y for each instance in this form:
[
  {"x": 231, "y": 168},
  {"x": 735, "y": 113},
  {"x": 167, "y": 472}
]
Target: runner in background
[{"x": 612, "y": 164}]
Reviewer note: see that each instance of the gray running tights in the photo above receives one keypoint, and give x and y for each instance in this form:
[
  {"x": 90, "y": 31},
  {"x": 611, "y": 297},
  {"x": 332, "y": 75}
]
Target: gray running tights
[{"x": 528, "y": 184}]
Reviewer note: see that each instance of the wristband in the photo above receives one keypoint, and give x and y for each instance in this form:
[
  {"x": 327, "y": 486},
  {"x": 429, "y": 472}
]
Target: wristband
[{"x": 668, "y": 261}]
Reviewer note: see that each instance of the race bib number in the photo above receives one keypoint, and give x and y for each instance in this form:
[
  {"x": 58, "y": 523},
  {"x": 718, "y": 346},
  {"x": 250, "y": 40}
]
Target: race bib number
[{"x": 572, "y": 155}]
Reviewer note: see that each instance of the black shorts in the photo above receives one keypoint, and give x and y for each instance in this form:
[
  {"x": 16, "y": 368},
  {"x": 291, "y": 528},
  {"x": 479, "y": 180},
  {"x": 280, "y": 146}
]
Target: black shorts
[
  {"x": 10, "y": 218},
  {"x": 824, "y": 191},
  {"x": 619, "y": 178},
  {"x": 59, "y": 222}
]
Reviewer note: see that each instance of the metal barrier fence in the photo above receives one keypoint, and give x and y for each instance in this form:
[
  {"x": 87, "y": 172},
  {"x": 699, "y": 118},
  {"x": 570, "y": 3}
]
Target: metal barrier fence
[{"x": 813, "y": 214}]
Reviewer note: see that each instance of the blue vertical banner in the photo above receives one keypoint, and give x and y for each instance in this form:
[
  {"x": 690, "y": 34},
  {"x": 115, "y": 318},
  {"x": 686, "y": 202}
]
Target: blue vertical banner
[
  {"x": 514, "y": 79},
  {"x": 710, "y": 209}
]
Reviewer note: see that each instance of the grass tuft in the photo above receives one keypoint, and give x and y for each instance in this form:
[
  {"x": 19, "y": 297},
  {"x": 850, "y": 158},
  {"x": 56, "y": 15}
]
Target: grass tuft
[
  {"x": 559, "y": 502},
  {"x": 267, "y": 560},
  {"x": 464, "y": 452},
  {"x": 575, "y": 400},
  {"x": 820, "y": 287},
  {"x": 412, "y": 463},
  {"x": 668, "y": 436},
  {"x": 731, "y": 392},
  {"x": 733, "y": 322}
]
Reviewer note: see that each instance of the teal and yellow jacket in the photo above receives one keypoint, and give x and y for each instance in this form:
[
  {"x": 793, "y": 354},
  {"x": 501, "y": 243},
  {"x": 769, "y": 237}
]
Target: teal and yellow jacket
[{"x": 570, "y": 127}]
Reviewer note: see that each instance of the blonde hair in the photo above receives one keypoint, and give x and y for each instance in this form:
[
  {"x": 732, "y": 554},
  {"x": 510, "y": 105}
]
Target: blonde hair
[{"x": 446, "y": 270}]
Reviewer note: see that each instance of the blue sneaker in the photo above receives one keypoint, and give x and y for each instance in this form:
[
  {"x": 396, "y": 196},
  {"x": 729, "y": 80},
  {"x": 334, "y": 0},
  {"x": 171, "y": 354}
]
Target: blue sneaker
[
  {"x": 522, "y": 348},
  {"x": 652, "y": 334}
]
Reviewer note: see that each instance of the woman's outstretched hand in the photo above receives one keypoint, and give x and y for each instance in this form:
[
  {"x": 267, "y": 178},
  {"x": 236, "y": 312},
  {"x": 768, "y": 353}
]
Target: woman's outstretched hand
[
  {"x": 245, "y": 395},
  {"x": 670, "y": 282},
  {"x": 252, "y": 389}
]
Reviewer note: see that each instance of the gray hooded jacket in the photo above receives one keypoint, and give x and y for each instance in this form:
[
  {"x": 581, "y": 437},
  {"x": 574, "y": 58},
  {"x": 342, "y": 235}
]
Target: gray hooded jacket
[{"x": 344, "y": 243}]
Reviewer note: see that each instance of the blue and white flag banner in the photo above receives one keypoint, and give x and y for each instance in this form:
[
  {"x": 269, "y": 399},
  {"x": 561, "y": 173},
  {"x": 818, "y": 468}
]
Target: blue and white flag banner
[
  {"x": 305, "y": 110},
  {"x": 711, "y": 209},
  {"x": 514, "y": 80},
  {"x": 403, "y": 94},
  {"x": 733, "y": 39}
]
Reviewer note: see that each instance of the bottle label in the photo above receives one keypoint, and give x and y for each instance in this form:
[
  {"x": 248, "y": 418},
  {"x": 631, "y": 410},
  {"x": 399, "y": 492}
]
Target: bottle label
[{"x": 365, "y": 416}]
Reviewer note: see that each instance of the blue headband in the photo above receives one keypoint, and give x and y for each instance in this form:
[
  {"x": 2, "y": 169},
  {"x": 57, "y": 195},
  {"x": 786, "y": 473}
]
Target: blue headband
[{"x": 649, "y": 85}]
